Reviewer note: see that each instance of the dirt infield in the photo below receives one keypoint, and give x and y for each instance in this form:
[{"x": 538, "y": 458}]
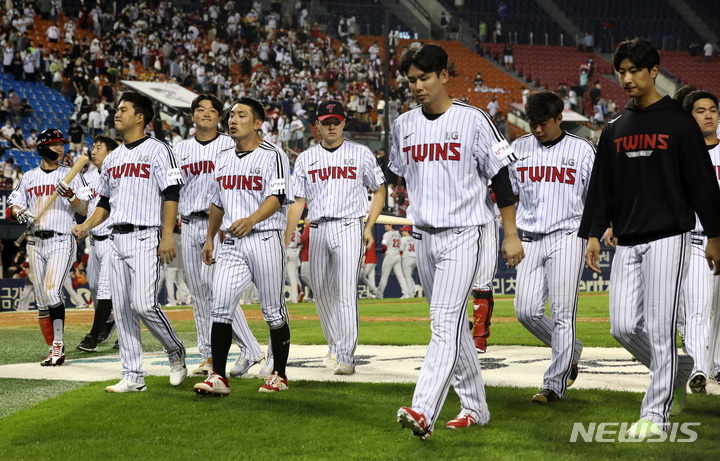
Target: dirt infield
[{"x": 18, "y": 319}]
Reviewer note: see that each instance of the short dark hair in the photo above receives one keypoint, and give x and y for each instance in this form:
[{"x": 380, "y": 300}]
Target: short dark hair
[
  {"x": 641, "y": 52},
  {"x": 217, "y": 105},
  {"x": 427, "y": 57},
  {"x": 110, "y": 143},
  {"x": 543, "y": 105},
  {"x": 680, "y": 94},
  {"x": 141, "y": 104},
  {"x": 695, "y": 96}
]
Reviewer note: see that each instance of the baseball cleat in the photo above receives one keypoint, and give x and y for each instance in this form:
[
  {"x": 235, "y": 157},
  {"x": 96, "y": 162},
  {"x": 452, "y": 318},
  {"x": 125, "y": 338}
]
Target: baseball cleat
[
  {"x": 414, "y": 421},
  {"x": 643, "y": 429},
  {"x": 480, "y": 344},
  {"x": 243, "y": 364},
  {"x": 178, "y": 370},
  {"x": 573, "y": 374},
  {"x": 57, "y": 355},
  {"x": 204, "y": 368},
  {"x": 106, "y": 331},
  {"x": 116, "y": 346},
  {"x": 274, "y": 383},
  {"x": 88, "y": 344},
  {"x": 214, "y": 385},
  {"x": 266, "y": 370},
  {"x": 330, "y": 361},
  {"x": 344, "y": 368},
  {"x": 461, "y": 420},
  {"x": 126, "y": 386},
  {"x": 697, "y": 383},
  {"x": 716, "y": 377},
  {"x": 546, "y": 396}
]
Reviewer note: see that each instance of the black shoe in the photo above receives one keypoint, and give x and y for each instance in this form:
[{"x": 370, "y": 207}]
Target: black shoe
[
  {"x": 106, "y": 332},
  {"x": 546, "y": 396},
  {"x": 116, "y": 345},
  {"x": 89, "y": 344},
  {"x": 573, "y": 374}
]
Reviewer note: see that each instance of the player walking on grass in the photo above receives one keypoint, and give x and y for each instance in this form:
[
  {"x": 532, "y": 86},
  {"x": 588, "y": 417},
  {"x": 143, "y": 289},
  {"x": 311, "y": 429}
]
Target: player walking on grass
[
  {"x": 333, "y": 178},
  {"x": 248, "y": 197},
  {"x": 447, "y": 151},
  {"x": 98, "y": 268},
  {"x": 392, "y": 262},
  {"x": 652, "y": 173},
  {"x": 196, "y": 158},
  {"x": 409, "y": 259},
  {"x": 139, "y": 187},
  {"x": 50, "y": 246},
  {"x": 551, "y": 179}
]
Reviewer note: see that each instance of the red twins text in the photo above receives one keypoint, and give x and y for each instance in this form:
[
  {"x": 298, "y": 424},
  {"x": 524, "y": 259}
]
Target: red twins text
[
  {"x": 547, "y": 174},
  {"x": 433, "y": 152},
  {"x": 192, "y": 169},
  {"x": 239, "y": 181},
  {"x": 134, "y": 170},
  {"x": 333, "y": 172},
  {"x": 39, "y": 191},
  {"x": 642, "y": 142}
]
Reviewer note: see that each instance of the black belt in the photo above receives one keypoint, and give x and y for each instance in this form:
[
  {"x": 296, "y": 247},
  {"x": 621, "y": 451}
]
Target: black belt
[
  {"x": 46, "y": 234},
  {"x": 197, "y": 214},
  {"x": 127, "y": 228},
  {"x": 699, "y": 234},
  {"x": 100, "y": 238},
  {"x": 530, "y": 236}
]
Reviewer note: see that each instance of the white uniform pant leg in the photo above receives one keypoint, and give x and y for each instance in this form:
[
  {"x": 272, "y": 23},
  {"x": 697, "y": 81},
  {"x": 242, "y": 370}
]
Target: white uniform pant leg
[
  {"x": 183, "y": 291},
  {"x": 490, "y": 245},
  {"x": 646, "y": 283},
  {"x": 447, "y": 262},
  {"x": 322, "y": 265},
  {"x": 305, "y": 275},
  {"x": 200, "y": 277},
  {"x": 385, "y": 269},
  {"x": 408, "y": 266},
  {"x": 171, "y": 274},
  {"x": 266, "y": 258},
  {"x": 27, "y": 297},
  {"x": 697, "y": 301},
  {"x": 367, "y": 275},
  {"x": 232, "y": 277},
  {"x": 714, "y": 337},
  {"x": 36, "y": 268},
  {"x": 292, "y": 268},
  {"x": 54, "y": 257},
  {"x": 93, "y": 271},
  {"x": 397, "y": 269},
  {"x": 74, "y": 297}
]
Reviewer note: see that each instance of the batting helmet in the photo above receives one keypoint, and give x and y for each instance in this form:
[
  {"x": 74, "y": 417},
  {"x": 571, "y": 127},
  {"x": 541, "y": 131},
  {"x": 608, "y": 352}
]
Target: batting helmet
[
  {"x": 47, "y": 137},
  {"x": 406, "y": 228}
]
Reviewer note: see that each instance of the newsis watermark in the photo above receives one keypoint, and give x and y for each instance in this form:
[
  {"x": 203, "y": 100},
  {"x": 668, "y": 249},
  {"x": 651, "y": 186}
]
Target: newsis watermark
[{"x": 617, "y": 432}]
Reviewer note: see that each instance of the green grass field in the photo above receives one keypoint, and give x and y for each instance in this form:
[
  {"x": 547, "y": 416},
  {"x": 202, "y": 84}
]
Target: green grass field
[{"x": 42, "y": 419}]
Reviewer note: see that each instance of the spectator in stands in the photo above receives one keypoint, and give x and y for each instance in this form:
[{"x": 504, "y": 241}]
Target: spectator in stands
[
  {"x": 611, "y": 107},
  {"x": 7, "y": 130},
  {"x": 497, "y": 34},
  {"x": 600, "y": 111},
  {"x": 29, "y": 68},
  {"x": 500, "y": 123},
  {"x": 508, "y": 57},
  {"x": 76, "y": 135},
  {"x": 26, "y": 109},
  {"x": 17, "y": 176},
  {"x": 708, "y": 50},
  {"x": 524, "y": 93},
  {"x": 493, "y": 107},
  {"x": 588, "y": 42},
  {"x": 502, "y": 10},
  {"x": 478, "y": 82},
  {"x": 53, "y": 33},
  {"x": 8, "y": 55},
  {"x": 17, "y": 67},
  {"x": 445, "y": 25},
  {"x": 7, "y": 170},
  {"x": 31, "y": 140},
  {"x": 4, "y": 107},
  {"x": 17, "y": 140},
  {"x": 595, "y": 93}
]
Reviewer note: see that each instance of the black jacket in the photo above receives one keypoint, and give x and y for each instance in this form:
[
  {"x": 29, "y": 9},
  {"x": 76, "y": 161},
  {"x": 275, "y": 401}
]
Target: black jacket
[{"x": 652, "y": 173}]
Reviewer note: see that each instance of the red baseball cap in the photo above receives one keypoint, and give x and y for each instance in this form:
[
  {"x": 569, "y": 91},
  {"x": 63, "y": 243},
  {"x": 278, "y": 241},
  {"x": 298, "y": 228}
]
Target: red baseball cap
[
  {"x": 406, "y": 228},
  {"x": 331, "y": 109}
]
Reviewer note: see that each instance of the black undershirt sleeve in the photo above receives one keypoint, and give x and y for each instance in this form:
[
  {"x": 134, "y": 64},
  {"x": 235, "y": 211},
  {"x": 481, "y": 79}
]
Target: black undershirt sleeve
[
  {"x": 104, "y": 202},
  {"x": 280, "y": 197},
  {"x": 171, "y": 194},
  {"x": 503, "y": 189}
]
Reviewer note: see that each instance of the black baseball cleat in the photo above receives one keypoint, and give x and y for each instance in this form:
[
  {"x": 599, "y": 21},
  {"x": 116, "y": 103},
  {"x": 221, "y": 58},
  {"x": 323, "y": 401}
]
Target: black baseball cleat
[
  {"x": 106, "y": 332},
  {"x": 117, "y": 344},
  {"x": 88, "y": 344},
  {"x": 573, "y": 374}
]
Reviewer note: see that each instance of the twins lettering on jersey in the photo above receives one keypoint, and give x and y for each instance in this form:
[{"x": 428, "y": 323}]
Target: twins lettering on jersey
[
  {"x": 193, "y": 169},
  {"x": 136, "y": 170},
  {"x": 42, "y": 190},
  {"x": 333, "y": 172},
  {"x": 433, "y": 152},
  {"x": 242, "y": 182},
  {"x": 547, "y": 174}
]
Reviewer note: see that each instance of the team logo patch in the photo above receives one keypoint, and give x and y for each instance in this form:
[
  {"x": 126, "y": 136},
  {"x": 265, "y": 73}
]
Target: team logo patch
[
  {"x": 502, "y": 149},
  {"x": 379, "y": 176},
  {"x": 277, "y": 185},
  {"x": 173, "y": 174}
]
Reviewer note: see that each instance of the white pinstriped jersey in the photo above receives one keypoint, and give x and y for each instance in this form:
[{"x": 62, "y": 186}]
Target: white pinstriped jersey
[
  {"x": 391, "y": 242},
  {"x": 35, "y": 189},
  {"x": 134, "y": 178},
  {"x": 715, "y": 159},
  {"x": 448, "y": 162},
  {"x": 196, "y": 161},
  {"x": 241, "y": 184},
  {"x": 551, "y": 182},
  {"x": 335, "y": 183},
  {"x": 407, "y": 247},
  {"x": 92, "y": 177}
]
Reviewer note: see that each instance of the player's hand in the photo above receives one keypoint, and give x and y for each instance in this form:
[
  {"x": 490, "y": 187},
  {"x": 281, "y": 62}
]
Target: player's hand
[
  {"x": 241, "y": 227},
  {"x": 367, "y": 238},
  {"x": 712, "y": 254},
  {"x": 207, "y": 252},
  {"x": 24, "y": 216},
  {"x": 79, "y": 231},
  {"x": 610, "y": 240},
  {"x": 512, "y": 250},
  {"x": 166, "y": 249},
  {"x": 64, "y": 190},
  {"x": 592, "y": 255}
]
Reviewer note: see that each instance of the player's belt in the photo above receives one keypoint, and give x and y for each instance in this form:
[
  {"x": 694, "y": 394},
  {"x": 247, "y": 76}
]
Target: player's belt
[
  {"x": 197, "y": 214},
  {"x": 699, "y": 234},
  {"x": 127, "y": 228},
  {"x": 46, "y": 234},
  {"x": 530, "y": 236},
  {"x": 100, "y": 238}
]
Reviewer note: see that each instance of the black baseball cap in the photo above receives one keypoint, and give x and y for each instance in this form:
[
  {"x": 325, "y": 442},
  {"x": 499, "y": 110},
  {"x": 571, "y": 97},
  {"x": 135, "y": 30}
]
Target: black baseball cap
[{"x": 329, "y": 109}]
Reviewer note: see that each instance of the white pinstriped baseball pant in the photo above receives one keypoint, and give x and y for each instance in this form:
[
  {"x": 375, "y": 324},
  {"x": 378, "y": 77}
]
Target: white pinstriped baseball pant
[
  {"x": 447, "y": 263},
  {"x": 200, "y": 282},
  {"x": 98, "y": 269},
  {"x": 50, "y": 261},
  {"x": 490, "y": 244},
  {"x": 646, "y": 283},
  {"x": 134, "y": 285}
]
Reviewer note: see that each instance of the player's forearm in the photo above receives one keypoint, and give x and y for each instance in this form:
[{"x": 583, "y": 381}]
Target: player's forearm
[
  {"x": 376, "y": 206},
  {"x": 170, "y": 211},
  {"x": 214, "y": 221},
  {"x": 294, "y": 213},
  {"x": 267, "y": 208},
  {"x": 507, "y": 213},
  {"x": 98, "y": 217},
  {"x": 79, "y": 206}
]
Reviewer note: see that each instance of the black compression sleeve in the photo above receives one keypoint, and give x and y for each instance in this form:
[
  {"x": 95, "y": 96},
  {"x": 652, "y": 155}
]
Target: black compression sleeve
[
  {"x": 280, "y": 197},
  {"x": 503, "y": 189},
  {"x": 172, "y": 194},
  {"x": 104, "y": 202}
]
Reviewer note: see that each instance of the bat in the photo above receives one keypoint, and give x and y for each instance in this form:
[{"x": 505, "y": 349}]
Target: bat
[
  {"x": 393, "y": 220},
  {"x": 79, "y": 164}
]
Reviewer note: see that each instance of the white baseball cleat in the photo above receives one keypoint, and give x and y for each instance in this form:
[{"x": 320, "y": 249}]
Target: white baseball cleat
[
  {"x": 204, "y": 368},
  {"x": 344, "y": 368},
  {"x": 267, "y": 369},
  {"x": 126, "y": 386},
  {"x": 178, "y": 370},
  {"x": 243, "y": 364},
  {"x": 330, "y": 361}
]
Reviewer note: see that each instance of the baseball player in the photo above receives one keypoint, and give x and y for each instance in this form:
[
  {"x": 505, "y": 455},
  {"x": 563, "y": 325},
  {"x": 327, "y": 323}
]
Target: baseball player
[
  {"x": 305, "y": 261},
  {"x": 392, "y": 262},
  {"x": 293, "y": 265},
  {"x": 249, "y": 192},
  {"x": 700, "y": 298},
  {"x": 51, "y": 249},
  {"x": 141, "y": 171},
  {"x": 367, "y": 270},
  {"x": 173, "y": 274},
  {"x": 197, "y": 157},
  {"x": 98, "y": 269},
  {"x": 652, "y": 173},
  {"x": 447, "y": 151},
  {"x": 551, "y": 179},
  {"x": 333, "y": 177},
  {"x": 409, "y": 261}
]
